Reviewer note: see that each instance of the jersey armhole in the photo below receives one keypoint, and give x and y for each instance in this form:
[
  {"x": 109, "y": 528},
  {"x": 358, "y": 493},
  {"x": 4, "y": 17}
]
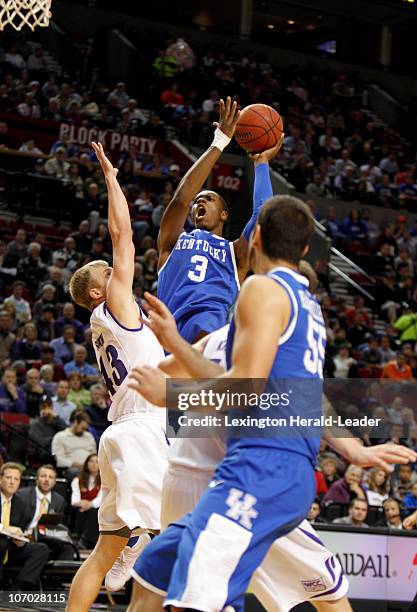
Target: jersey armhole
[
  {"x": 294, "y": 311},
  {"x": 106, "y": 310}
]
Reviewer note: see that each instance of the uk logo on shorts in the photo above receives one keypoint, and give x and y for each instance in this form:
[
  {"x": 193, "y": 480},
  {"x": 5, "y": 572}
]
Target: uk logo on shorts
[
  {"x": 241, "y": 507},
  {"x": 314, "y": 585}
]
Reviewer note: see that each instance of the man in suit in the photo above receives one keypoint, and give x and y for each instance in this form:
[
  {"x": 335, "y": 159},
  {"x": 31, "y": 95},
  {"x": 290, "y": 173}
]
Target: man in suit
[
  {"x": 42, "y": 499},
  {"x": 30, "y": 557}
]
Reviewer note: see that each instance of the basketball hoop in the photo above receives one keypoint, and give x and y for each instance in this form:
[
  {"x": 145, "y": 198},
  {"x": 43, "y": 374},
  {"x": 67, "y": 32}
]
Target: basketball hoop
[{"x": 20, "y": 13}]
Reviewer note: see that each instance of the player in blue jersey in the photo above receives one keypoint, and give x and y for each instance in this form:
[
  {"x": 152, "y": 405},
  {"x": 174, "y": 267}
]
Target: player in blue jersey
[
  {"x": 265, "y": 485},
  {"x": 199, "y": 272}
]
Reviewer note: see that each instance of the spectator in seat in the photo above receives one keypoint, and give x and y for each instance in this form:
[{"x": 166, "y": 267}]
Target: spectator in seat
[
  {"x": 37, "y": 63},
  {"x": 15, "y": 59},
  {"x": 68, "y": 318},
  {"x": 7, "y": 338},
  {"x": 313, "y": 515},
  {"x": 17, "y": 249},
  {"x": 62, "y": 405},
  {"x": 347, "y": 488},
  {"x": 389, "y": 165},
  {"x": 397, "y": 369},
  {"x": 395, "y": 410},
  {"x": 329, "y": 468},
  {"x": 406, "y": 324},
  {"x": 73, "y": 445},
  {"x": 40, "y": 500},
  {"x": 410, "y": 498},
  {"x": 392, "y": 512},
  {"x": 371, "y": 356},
  {"x": 358, "y": 510},
  {"x": 387, "y": 354},
  {"x": 45, "y": 324},
  {"x": 65, "y": 345},
  {"x": 407, "y": 193},
  {"x": 28, "y": 349},
  {"x": 31, "y": 269},
  {"x": 33, "y": 391},
  {"x": 344, "y": 364},
  {"x": 386, "y": 192},
  {"x": 358, "y": 306},
  {"x": 86, "y": 498},
  {"x": 172, "y": 96},
  {"x": 378, "y": 487},
  {"x": 47, "y": 379},
  {"x": 358, "y": 331},
  {"x": 78, "y": 394},
  {"x": 98, "y": 410},
  {"x": 47, "y": 296},
  {"x": 119, "y": 96},
  {"x": 12, "y": 397},
  {"x": 83, "y": 237},
  {"x": 29, "y": 557},
  {"x": 79, "y": 364},
  {"x": 21, "y": 306},
  {"x": 401, "y": 481},
  {"x": 69, "y": 253},
  {"x": 57, "y": 166}
]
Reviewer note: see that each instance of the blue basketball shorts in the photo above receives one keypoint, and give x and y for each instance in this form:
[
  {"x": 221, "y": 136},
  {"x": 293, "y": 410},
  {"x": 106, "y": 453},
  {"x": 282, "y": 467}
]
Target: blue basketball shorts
[
  {"x": 207, "y": 321},
  {"x": 205, "y": 560}
]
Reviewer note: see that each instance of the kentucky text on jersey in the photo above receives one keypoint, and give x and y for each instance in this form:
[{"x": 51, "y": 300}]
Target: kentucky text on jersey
[
  {"x": 199, "y": 282},
  {"x": 201, "y": 245}
]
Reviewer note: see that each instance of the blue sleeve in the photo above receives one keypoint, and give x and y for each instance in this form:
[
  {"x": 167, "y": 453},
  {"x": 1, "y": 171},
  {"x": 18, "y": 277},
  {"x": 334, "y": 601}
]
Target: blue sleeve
[
  {"x": 19, "y": 405},
  {"x": 262, "y": 191}
]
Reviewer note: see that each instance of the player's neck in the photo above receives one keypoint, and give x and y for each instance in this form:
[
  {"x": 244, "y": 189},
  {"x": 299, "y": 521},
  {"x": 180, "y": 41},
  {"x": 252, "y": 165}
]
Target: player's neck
[{"x": 266, "y": 265}]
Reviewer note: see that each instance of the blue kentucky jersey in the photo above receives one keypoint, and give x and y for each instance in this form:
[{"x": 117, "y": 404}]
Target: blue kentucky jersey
[
  {"x": 199, "y": 282},
  {"x": 296, "y": 373}
]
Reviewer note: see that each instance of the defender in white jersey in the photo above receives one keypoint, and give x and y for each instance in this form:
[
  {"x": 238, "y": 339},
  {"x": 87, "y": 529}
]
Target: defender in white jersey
[
  {"x": 133, "y": 450},
  {"x": 298, "y": 567}
]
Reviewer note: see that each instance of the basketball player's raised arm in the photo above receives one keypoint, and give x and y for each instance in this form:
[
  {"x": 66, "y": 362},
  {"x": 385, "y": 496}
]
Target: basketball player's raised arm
[
  {"x": 262, "y": 191},
  {"x": 119, "y": 289},
  {"x": 173, "y": 220}
]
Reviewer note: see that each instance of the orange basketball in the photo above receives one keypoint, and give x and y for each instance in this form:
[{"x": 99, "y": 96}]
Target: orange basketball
[{"x": 259, "y": 128}]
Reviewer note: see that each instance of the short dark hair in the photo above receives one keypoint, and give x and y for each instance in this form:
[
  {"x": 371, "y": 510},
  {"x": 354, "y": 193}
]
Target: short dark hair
[
  {"x": 356, "y": 499},
  {"x": 79, "y": 415},
  {"x": 47, "y": 466},
  {"x": 286, "y": 228}
]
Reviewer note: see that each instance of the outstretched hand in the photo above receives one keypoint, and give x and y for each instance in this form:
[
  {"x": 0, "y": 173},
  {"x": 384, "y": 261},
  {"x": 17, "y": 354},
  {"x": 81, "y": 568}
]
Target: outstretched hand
[
  {"x": 161, "y": 322},
  {"x": 383, "y": 456},
  {"x": 104, "y": 161},
  {"x": 229, "y": 115},
  {"x": 266, "y": 156}
]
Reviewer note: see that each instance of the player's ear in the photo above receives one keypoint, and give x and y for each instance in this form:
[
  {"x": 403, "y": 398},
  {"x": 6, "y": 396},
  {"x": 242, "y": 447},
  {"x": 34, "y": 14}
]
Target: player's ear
[
  {"x": 306, "y": 250},
  {"x": 95, "y": 294},
  {"x": 224, "y": 215}
]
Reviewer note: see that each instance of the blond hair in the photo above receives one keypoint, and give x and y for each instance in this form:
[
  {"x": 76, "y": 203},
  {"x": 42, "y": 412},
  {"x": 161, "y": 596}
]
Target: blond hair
[{"x": 82, "y": 282}]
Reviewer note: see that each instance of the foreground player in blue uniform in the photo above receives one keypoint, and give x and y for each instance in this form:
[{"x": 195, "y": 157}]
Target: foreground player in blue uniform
[
  {"x": 265, "y": 485},
  {"x": 200, "y": 271}
]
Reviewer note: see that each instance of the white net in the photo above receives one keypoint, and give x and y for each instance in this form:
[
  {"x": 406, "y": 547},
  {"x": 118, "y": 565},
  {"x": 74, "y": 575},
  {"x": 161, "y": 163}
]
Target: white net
[{"x": 20, "y": 13}]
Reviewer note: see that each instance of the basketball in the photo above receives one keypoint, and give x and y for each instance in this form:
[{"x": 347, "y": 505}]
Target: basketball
[{"x": 259, "y": 128}]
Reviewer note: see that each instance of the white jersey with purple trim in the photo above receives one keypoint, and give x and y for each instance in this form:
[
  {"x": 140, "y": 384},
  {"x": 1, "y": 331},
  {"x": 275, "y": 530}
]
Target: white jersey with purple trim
[
  {"x": 119, "y": 350},
  {"x": 203, "y": 454}
]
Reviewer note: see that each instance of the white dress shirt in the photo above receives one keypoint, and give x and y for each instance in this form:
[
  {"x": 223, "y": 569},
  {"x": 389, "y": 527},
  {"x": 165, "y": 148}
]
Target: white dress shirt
[{"x": 39, "y": 498}]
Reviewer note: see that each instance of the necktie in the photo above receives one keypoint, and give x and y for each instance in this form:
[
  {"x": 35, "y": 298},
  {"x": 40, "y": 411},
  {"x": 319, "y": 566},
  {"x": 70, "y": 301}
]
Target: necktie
[
  {"x": 5, "y": 519},
  {"x": 44, "y": 507}
]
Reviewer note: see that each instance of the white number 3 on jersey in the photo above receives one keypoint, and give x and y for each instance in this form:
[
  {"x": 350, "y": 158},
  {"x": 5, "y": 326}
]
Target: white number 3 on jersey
[
  {"x": 199, "y": 273},
  {"x": 316, "y": 339}
]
